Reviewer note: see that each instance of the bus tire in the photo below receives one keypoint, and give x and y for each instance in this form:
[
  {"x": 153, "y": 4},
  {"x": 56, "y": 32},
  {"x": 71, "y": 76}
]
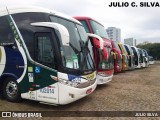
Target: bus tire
[{"x": 11, "y": 91}]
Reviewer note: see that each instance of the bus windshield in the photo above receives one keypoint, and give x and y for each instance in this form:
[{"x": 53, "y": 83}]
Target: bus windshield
[
  {"x": 145, "y": 53},
  {"x": 141, "y": 55},
  {"x": 98, "y": 29},
  {"x": 130, "y": 49},
  {"x": 105, "y": 64},
  {"x": 76, "y": 56},
  {"x": 124, "y": 49}
]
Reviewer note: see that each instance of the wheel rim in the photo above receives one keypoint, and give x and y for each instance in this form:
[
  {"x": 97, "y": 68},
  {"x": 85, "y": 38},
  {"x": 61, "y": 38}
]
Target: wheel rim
[{"x": 11, "y": 89}]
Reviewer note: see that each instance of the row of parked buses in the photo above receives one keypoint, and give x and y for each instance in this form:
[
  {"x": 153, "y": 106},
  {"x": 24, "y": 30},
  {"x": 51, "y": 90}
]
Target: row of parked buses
[
  {"x": 52, "y": 58},
  {"x": 119, "y": 58}
]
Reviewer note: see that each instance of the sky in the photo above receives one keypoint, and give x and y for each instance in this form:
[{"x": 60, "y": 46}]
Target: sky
[{"x": 141, "y": 23}]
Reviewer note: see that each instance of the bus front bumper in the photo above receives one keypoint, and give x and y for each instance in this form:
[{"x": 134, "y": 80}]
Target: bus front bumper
[
  {"x": 68, "y": 94},
  {"x": 103, "y": 80}
]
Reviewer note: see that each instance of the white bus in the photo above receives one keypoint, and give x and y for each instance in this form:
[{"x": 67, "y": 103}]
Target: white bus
[
  {"x": 131, "y": 62},
  {"x": 146, "y": 58},
  {"x": 151, "y": 60},
  {"x": 143, "y": 58},
  {"x": 136, "y": 57},
  {"x": 44, "y": 56}
]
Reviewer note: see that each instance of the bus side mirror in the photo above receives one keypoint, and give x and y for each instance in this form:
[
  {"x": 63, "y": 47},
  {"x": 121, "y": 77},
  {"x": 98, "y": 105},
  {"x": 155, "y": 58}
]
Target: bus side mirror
[
  {"x": 104, "y": 52},
  {"x": 62, "y": 30},
  {"x": 116, "y": 51},
  {"x": 123, "y": 57},
  {"x": 114, "y": 55},
  {"x": 99, "y": 45}
]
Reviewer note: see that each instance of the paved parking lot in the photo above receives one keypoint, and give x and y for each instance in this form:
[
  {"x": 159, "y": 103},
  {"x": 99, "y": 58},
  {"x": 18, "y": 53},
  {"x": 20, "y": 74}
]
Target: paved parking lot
[{"x": 137, "y": 90}]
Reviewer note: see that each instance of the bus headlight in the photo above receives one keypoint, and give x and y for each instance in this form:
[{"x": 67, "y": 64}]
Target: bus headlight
[
  {"x": 102, "y": 74},
  {"x": 66, "y": 82},
  {"x": 69, "y": 83}
]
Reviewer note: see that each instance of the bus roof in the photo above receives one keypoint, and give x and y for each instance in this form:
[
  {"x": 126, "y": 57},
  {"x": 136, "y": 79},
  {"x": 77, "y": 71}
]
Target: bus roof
[
  {"x": 23, "y": 9},
  {"x": 85, "y": 18}
]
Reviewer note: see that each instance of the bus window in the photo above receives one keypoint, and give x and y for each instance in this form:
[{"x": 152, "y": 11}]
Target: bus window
[
  {"x": 6, "y": 36},
  {"x": 44, "y": 50},
  {"x": 84, "y": 25}
]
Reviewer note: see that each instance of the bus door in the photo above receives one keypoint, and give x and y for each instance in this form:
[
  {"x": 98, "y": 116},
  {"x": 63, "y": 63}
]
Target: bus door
[{"x": 45, "y": 55}]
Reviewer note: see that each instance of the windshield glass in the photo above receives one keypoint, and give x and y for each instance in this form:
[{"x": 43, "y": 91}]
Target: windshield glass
[
  {"x": 141, "y": 55},
  {"x": 124, "y": 49},
  {"x": 140, "y": 51},
  {"x": 75, "y": 56},
  {"x": 98, "y": 29},
  {"x": 145, "y": 53},
  {"x": 127, "y": 49},
  {"x": 105, "y": 64},
  {"x": 84, "y": 25},
  {"x": 131, "y": 51},
  {"x": 134, "y": 51},
  {"x": 82, "y": 33}
]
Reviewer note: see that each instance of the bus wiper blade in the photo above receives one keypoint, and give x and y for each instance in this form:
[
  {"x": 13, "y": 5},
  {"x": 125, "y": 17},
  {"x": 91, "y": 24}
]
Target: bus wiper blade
[
  {"x": 86, "y": 52},
  {"x": 75, "y": 49}
]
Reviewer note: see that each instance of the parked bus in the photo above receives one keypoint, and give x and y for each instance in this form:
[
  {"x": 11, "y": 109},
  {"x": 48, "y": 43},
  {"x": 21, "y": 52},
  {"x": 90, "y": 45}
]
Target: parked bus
[
  {"x": 118, "y": 58},
  {"x": 146, "y": 59},
  {"x": 131, "y": 61},
  {"x": 44, "y": 56},
  {"x": 142, "y": 57},
  {"x": 151, "y": 60},
  {"x": 136, "y": 57},
  {"x": 124, "y": 57},
  {"x": 104, "y": 66}
]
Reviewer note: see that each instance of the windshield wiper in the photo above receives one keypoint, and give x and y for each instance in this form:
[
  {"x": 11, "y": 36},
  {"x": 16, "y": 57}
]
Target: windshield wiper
[
  {"x": 83, "y": 54},
  {"x": 86, "y": 60},
  {"x": 75, "y": 49}
]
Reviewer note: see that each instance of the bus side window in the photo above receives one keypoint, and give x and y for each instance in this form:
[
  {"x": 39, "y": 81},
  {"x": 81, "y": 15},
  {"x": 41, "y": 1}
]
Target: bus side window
[
  {"x": 85, "y": 25},
  {"x": 44, "y": 50},
  {"x": 6, "y": 36}
]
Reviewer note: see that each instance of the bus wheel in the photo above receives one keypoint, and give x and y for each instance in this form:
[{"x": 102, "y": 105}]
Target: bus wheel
[{"x": 11, "y": 91}]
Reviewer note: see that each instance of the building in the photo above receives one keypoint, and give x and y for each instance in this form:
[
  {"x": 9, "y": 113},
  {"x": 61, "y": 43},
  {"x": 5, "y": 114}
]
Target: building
[
  {"x": 130, "y": 41},
  {"x": 114, "y": 33}
]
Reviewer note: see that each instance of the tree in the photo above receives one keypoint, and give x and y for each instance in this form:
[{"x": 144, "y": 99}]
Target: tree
[{"x": 153, "y": 49}]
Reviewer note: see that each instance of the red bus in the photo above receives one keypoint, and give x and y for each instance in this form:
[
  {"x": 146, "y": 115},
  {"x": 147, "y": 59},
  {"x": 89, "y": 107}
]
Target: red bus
[{"x": 104, "y": 64}]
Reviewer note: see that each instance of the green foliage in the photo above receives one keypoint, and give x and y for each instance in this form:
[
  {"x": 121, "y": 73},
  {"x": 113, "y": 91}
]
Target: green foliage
[{"x": 152, "y": 48}]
